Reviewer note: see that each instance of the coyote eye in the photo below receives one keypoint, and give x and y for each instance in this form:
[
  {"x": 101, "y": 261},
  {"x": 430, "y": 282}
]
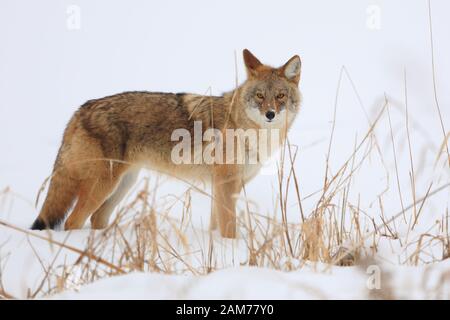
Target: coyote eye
[
  {"x": 280, "y": 96},
  {"x": 260, "y": 95}
]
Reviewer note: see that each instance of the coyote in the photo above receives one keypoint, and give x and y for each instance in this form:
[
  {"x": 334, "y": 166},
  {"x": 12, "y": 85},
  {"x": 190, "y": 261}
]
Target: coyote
[{"x": 108, "y": 140}]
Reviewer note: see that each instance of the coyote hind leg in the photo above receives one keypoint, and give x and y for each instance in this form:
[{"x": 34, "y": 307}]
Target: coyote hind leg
[
  {"x": 100, "y": 218},
  {"x": 92, "y": 194}
]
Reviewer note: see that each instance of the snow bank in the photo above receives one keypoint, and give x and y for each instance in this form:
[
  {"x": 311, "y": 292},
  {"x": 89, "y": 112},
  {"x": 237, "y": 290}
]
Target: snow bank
[{"x": 259, "y": 283}]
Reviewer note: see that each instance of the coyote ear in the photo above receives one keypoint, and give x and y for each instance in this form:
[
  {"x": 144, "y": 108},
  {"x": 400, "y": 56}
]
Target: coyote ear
[
  {"x": 251, "y": 63},
  {"x": 291, "y": 70}
]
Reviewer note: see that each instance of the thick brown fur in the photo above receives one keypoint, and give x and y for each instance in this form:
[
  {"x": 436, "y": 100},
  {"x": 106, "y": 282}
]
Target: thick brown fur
[{"x": 109, "y": 139}]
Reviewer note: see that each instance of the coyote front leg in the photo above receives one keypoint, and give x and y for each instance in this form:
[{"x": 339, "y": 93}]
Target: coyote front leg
[{"x": 227, "y": 185}]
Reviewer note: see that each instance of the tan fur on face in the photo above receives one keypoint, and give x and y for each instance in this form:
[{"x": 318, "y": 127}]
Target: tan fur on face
[{"x": 109, "y": 139}]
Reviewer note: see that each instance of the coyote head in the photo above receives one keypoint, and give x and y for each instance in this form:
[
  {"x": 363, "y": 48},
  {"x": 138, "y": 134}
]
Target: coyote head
[{"x": 270, "y": 96}]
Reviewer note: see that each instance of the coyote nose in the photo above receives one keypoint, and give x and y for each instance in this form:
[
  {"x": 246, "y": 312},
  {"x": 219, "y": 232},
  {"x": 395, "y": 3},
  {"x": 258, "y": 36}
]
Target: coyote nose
[{"x": 270, "y": 115}]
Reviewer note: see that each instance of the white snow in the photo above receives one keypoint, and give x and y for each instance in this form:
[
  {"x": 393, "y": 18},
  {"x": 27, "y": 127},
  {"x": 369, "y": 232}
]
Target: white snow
[
  {"x": 22, "y": 274},
  {"x": 259, "y": 283}
]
